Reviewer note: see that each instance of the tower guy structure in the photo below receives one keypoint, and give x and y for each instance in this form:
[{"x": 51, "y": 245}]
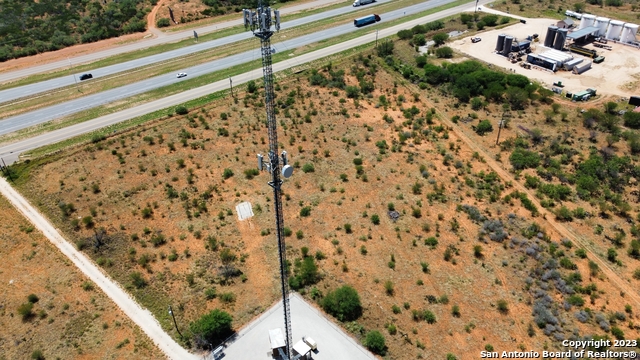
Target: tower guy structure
[{"x": 260, "y": 22}]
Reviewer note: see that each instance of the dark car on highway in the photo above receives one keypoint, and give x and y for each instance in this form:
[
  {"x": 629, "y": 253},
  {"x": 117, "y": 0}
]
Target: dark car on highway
[{"x": 86, "y": 76}]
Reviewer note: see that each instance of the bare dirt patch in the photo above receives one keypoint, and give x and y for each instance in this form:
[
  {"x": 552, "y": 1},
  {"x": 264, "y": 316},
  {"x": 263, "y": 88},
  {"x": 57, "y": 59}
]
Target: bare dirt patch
[{"x": 67, "y": 321}]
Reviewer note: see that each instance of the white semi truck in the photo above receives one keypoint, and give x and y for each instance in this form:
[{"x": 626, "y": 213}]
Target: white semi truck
[{"x": 362, "y": 2}]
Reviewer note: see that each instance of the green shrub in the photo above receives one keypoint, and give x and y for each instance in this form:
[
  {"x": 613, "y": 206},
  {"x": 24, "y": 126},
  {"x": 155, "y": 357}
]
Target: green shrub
[
  {"x": 308, "y": 168},
  {"x": 37, "y": 355},
  {"x": 375, "y": 219},
  {"x": 212, "y": 328},
  {"x": 503, "y": 306},
  {"x": 576, "y": 300},
  {"x": 138, "y": 280},
  {"x": 163, "y": 22},
  {"x": 33, "y": 298},
  {"x": 25, "y": 310},
  {"x": 251, "y": 87},
  {"x": 429, "y": 317},
  {"x": 343, "y": 303},
  {"x": 440, "y": 38},
  {"x": 375, "y": 342},
  {"x": 444, "y": 52},
  {"x": 524, "y": 159},
  {"x": 227, "y": 173},
  {"x": 182, "y": 110},
  {"x": 484, "y": 127},
  {"x": 227, "y": 297},
  {"x": 305, "y": 211}
]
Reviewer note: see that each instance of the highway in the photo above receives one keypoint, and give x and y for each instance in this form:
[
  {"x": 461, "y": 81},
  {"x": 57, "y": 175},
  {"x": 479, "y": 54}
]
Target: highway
[
  {"x": 42, "y": 115},
  {"x": 48, "y": 85},
  {"x": 11, "y": 152},
  {"x": 165, "y": 38}
]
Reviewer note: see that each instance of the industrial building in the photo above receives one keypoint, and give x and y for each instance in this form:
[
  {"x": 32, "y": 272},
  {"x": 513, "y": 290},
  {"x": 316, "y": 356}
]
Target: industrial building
[{"x": 536, "y": 60}]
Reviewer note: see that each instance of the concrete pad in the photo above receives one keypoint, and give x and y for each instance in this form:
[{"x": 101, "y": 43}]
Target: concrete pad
[
  {"x": 252, "y": 342},
  {"x": 244, "y": 210}
]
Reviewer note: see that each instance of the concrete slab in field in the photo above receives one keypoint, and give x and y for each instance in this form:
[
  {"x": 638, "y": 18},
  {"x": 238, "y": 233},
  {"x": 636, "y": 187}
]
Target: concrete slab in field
[
  {"x": 252, "y": 342},
  {"x": 244, "y": 210}
]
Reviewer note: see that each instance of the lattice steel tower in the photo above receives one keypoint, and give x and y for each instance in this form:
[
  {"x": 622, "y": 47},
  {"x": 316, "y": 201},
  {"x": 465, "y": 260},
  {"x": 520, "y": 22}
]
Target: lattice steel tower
[{"x": 260, "y": 22}]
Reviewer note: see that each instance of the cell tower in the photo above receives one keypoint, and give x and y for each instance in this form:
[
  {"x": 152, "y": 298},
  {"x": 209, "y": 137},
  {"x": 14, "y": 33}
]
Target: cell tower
[{"x": 260, "y": 22}]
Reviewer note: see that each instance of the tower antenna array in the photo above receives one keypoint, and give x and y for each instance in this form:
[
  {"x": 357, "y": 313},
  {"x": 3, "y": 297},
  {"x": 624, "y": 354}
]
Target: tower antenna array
[{"x": 260, "y": 22}]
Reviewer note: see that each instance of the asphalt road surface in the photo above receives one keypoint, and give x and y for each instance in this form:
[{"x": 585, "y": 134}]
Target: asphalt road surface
[
  {"x": 10, "y": 152},
  {"x": 139, "y": 315},
  {"x": 48, "y": 85},
  {"x": 142, "y": 44},
  {"x": 39, "y": 116}
]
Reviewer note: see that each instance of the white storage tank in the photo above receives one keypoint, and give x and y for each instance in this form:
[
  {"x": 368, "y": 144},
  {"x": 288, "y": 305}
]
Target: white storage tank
[
  {"x": 587, "y": 20},
  {"x": 614, "y": 30},
  {"x": 629, "y": 32},
  {"x": 602, "y": 23}
]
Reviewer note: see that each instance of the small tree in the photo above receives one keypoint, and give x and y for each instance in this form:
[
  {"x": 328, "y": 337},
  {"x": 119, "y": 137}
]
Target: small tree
[
  {"x": 375, "y": 342},
  {"x": 305, "y": 211},
  {"x": 182, "y": 110},
  {"x": 227, "y": 173},
  {"x": 503, "y": 306},
  {"x": 477, "y": 251},
  {"x": 251, "y": 87},
  {"x": 419, "y": 40},
  {"x": 25, "y": 310},
  {"x": 375, "y": 219},
  {"x": 211, "y": 328},
  {"x": 440, "y": 38},
  {"x": 484, "y": 127},
  {"x": 385, "y": 48},
  {"x": 163, "y": 22},
  {"x": 343, "y": 303},
  {"x": 444, "y": 52}
]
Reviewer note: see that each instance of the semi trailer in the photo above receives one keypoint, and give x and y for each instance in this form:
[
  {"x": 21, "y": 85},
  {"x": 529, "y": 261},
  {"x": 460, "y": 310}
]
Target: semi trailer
[
  {"x": 366, "y": 20},
  {"x": 362, "y": 2}
]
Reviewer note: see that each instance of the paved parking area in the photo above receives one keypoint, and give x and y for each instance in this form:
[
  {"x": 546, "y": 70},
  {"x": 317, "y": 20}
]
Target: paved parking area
[{"x": 252, "y": 342}]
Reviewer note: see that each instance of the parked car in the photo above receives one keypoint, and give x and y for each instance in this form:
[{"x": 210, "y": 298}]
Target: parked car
[
  {"x": 475, "y": 39},
  {"x": 181, "y": 75},
  {"x": 85, "y": 77}
]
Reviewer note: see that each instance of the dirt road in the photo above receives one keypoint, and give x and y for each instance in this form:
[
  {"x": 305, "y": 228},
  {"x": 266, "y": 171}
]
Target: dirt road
[{"x": 126, "y": 303}]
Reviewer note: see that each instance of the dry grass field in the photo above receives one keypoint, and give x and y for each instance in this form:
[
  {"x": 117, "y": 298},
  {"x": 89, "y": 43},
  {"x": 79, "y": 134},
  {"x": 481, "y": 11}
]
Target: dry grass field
[
  {"x": 461, "y": 270},
  {"x": 68, "y": 317}
]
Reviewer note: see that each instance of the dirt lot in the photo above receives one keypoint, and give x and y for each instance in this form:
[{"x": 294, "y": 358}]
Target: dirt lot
[
  {"x": 67, "y": 321},
  {"x": 618, "y": 75},
  {"x": 161, "y": 194}
]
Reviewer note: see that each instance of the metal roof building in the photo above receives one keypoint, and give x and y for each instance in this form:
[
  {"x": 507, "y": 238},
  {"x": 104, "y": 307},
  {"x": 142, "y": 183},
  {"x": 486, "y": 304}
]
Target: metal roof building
[{"x": 583, "y": 32}]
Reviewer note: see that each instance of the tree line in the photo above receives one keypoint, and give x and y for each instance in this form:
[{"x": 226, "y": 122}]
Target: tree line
[{"x": 32, "y": 27}]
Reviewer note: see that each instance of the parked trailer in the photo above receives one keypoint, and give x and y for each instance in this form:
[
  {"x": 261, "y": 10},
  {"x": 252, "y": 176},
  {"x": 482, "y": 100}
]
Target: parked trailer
[
  {"x": 571, "y": 64},
  {"x": 362, "y": 2},
  {"x": 583, "y": 51},
  {"x": 366, "y": 20},
  {"x": 579, "y": 69}
]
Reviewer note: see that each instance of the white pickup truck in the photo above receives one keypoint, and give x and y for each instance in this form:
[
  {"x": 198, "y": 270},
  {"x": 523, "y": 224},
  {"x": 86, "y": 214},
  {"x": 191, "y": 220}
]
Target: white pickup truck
[{"x": 362, "y": 2}]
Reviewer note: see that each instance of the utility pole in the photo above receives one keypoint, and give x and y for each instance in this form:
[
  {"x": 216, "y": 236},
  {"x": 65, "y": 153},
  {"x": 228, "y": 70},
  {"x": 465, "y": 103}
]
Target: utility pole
[
  {"x": 499, "y": 128},
  {"x": 74, "y": 75},
  {"x": 376, "y": 38},
  {"x": 174, "y": 321},
  {"x": 260, "y": 22},
  {"x": 231, "y": 86}
]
